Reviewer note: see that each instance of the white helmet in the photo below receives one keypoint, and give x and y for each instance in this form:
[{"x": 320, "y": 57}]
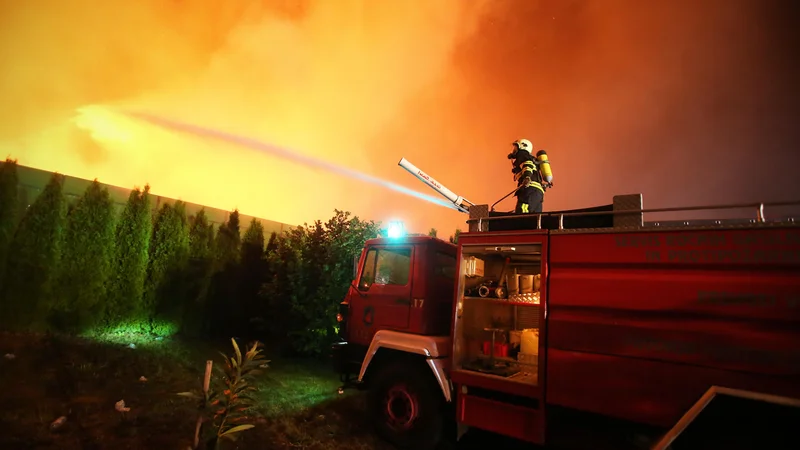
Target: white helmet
[{"x": 524, "y": 144}]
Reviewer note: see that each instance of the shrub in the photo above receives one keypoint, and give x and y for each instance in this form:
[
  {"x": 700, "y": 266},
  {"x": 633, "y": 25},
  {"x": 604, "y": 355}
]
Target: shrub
[
  {"x": 9, "y": 208},
  {"x": 33, "y": 258},
  {"x": 312, "y": 269},
  {"x": 165, "y": 287},
  {"x": 288, "y": 283},
  {"x": 86, "y": 263},
  {"x": 132, "y": 238}
]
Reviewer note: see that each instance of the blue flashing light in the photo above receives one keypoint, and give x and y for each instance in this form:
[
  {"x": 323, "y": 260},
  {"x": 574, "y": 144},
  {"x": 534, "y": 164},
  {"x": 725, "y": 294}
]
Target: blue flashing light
[{"x": 396, "y": 230}]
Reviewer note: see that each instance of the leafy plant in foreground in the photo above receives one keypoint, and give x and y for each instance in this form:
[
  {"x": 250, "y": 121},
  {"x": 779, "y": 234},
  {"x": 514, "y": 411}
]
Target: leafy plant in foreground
[{"x": 228, "y": 407}]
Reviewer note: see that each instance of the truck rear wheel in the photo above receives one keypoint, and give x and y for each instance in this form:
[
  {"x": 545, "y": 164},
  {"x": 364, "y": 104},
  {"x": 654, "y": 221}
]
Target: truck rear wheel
[{"x": 406, "y": 405}]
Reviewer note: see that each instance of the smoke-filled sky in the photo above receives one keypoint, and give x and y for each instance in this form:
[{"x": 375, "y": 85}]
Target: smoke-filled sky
[{"x": 688, "y": 102}]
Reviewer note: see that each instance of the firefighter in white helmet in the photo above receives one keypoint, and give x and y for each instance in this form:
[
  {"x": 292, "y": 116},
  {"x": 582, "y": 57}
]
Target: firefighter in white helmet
[{"x": 531, "y": 182}]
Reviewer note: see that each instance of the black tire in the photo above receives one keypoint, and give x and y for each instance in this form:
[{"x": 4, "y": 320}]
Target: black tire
[{"x": 405, "y": 404}]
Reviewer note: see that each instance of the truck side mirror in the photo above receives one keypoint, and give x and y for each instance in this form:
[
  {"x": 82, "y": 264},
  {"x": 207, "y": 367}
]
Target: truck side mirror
[{"x": 355, "y": 266}]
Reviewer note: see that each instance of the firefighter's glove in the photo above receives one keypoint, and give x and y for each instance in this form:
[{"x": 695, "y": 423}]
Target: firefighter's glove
[{"x": 526, "y": 182}]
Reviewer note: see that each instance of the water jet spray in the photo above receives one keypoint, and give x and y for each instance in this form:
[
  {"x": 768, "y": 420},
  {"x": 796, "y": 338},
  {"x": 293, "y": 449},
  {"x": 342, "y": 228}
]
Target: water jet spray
[{"x": 281, "y": 152}]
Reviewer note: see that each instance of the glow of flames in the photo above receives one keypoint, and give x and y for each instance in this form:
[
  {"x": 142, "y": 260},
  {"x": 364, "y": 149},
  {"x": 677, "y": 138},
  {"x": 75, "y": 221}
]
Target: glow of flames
[{"x": 321, "y": 77}]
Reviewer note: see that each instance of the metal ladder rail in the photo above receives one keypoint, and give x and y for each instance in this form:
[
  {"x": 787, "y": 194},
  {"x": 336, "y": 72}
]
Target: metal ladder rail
[
  {"x": 758, "y": 207},
  {"x": 690, "y": 415}
]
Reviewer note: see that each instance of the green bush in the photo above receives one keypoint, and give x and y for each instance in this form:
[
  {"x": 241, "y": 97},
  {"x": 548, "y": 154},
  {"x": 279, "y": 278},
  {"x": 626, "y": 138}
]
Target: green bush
[
  {"x": 201, "y": 246},
  {"x": 311, "y": 271},
  {"x": 165, "y": 289},
  {"x": 9, "y": 208},
  {"x": 132, "y": 238},
  {"x": 33, "y": 259},
  {"x": 86, "y": 262}
]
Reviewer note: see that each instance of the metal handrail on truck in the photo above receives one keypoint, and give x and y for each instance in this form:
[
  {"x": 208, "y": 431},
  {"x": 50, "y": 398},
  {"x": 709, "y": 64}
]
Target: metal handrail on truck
[
  {"x": 480, "y": 213},
  {"x": 670, "y": 436},
  {"x": 760, "y": 217}
]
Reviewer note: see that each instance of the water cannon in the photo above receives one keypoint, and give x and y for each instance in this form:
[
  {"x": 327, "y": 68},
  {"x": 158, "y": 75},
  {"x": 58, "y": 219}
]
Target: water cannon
[{"x": 461, "y": 204}]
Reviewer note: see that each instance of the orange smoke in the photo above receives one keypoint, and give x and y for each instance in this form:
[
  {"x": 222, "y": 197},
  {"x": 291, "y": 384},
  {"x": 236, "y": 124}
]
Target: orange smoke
[
  {"x": 317, "y": 76},
  {"x": 670, "y": 99}
]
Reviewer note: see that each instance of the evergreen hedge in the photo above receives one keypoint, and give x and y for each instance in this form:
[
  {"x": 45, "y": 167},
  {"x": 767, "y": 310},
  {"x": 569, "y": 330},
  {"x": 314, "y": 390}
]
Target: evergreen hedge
[
  {"x": 253, "y": 270},
  {"x": 165, "y": 287},
  {"x": 86, "y": 263},
  {"x": 138, "y": 272},
  {"x": 225, "y": 278},
  {"x": 132, "y": 238},
  {"x": 199, "y": 271},
  {"x": 33, "y": 259},
  {"x": 9, "y": 209}
]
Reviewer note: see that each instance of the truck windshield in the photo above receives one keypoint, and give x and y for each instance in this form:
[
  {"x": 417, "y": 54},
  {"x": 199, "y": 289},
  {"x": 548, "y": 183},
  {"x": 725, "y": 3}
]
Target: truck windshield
[{"x": 384, "y": 266}]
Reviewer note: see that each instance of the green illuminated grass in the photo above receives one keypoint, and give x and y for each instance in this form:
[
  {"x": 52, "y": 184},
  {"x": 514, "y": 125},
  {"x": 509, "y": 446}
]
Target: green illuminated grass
[{"x": 292, "y": 386}]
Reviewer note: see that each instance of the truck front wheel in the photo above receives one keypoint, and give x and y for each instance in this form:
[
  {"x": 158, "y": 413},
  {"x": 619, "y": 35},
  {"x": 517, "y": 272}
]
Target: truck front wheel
[{"x": 406, "y": 406}]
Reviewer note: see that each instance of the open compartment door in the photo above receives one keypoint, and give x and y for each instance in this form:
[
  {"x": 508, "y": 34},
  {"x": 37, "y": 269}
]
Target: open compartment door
[{"x": 498, "y": 364}]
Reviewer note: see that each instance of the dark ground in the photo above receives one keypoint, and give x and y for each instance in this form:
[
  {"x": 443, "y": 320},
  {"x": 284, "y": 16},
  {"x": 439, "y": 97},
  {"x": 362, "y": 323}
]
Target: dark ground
[
  {"x": 298, "y": 403},
  {"x": 299, "y": 407}
]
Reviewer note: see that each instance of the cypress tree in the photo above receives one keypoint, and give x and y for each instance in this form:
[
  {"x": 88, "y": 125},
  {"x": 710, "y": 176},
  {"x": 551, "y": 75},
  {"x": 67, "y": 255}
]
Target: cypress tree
[
  {"x": 86, "y": 262},
  {"x": 253, "y": 272},
  {"x": 201, "y": 241},
  {"x": 9, "y": 209},
  {"x": 33, "y": 258},
  {"x": 227, "y": 247},
  {"x": 169, "y": 253},
  {"x": 132, "y": 239},
  {"x": 228, "y": 242}
]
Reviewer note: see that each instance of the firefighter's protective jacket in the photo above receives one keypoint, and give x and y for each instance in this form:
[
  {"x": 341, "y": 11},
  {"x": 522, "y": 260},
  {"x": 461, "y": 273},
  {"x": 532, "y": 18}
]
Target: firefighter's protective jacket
[{"x": 526, "y": 173}]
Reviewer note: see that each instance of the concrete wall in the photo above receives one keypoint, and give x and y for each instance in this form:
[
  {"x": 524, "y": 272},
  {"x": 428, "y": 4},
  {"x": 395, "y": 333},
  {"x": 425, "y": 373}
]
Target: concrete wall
[{"x": 32, "y": 182}]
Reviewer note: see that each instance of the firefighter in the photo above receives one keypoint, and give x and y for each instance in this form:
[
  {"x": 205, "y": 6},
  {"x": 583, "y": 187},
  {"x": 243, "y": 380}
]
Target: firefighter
[{"x": 530, "y": 183}]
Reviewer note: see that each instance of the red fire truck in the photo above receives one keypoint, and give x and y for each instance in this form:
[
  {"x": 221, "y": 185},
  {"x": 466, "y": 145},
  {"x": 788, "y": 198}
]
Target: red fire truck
[{"x": 593, "y": 310}]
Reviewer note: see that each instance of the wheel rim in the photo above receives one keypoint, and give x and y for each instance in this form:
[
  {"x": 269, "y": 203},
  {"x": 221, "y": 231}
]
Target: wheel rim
[{"x": 400, "y": 408}]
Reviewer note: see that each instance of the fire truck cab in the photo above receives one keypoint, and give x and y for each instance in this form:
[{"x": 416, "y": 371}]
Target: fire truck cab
[{"x": 593, "y": 310}]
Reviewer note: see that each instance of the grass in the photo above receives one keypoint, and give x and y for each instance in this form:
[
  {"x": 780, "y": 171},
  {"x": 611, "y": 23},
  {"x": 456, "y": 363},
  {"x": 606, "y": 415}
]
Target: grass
[{"x": 298, "y": 404}]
